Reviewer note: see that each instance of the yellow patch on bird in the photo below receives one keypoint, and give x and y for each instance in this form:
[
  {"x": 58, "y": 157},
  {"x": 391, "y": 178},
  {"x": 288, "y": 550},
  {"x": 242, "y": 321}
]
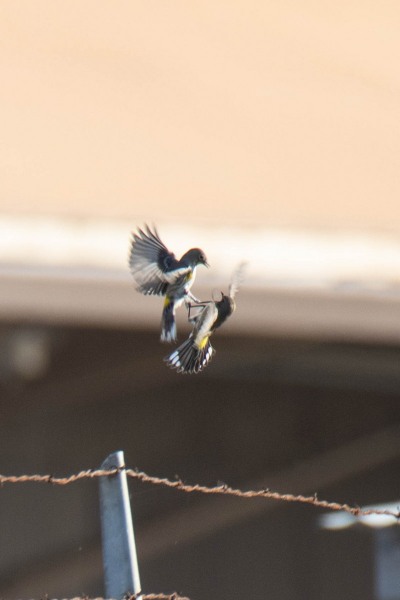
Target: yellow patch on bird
[
  {"x": 189, "y": 276},
  {"x": 203, "y": 342},
  {"x": 167, "y": 302}
]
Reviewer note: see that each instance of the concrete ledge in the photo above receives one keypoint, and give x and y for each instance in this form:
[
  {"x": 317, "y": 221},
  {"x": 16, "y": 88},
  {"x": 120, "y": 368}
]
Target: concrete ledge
[{"x": 108, "y": 299}]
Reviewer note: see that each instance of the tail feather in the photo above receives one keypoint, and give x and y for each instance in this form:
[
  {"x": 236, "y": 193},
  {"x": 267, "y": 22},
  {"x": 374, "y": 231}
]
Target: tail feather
[
  {"x": 189, "y": 358},
  {"x": 168, "y": 325}
]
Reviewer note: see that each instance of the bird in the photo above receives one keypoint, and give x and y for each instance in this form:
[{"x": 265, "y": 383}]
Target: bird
[
  {"x": 196, "y": 352},
  {"x": 158, "y": 272}
]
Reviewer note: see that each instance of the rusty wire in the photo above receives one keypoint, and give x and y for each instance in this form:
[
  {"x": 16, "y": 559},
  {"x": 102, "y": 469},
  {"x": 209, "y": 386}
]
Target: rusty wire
[{"x": 178, "y": 484}]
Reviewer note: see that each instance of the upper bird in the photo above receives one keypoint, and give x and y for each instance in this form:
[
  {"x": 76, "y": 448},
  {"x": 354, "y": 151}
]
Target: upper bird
[
  {"x": 196, "y": 352},
  {"x": 157, "y": 271}
]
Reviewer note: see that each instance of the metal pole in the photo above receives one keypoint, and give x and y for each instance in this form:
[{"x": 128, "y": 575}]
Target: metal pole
[
  {"x": 121, "y": 572},
  {"x": 387, "y": 560}
]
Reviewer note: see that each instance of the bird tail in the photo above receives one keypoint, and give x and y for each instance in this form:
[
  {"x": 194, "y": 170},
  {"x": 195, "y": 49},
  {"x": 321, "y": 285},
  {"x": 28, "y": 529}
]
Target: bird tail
[
  {"x": 189, "y": 357},
  {"x": 168, "y": 325}
]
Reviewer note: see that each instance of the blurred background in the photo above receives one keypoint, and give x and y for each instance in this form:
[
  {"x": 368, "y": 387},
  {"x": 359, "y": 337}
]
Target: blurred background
[{"x": 266, "y": 132}]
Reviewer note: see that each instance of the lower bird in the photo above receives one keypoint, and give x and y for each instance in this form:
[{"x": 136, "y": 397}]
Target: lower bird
[
  {"x": 196, "y": 352},
  {"x": 157, "y": 271}
]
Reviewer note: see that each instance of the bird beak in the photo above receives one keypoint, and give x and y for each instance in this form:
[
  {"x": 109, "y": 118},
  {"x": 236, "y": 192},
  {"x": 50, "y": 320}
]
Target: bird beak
[{"x": 205, "y": 263}]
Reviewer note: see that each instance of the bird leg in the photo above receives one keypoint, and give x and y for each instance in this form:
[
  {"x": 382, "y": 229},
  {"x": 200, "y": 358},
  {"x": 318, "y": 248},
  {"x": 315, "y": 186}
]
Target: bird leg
[
  {"x": 198, "y": 304},
  {"x": 190, "y": 295}
]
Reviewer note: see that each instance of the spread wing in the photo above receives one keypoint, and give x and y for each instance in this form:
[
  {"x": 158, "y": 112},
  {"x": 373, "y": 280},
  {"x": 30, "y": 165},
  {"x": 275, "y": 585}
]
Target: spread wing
[
  {"x": 237, "y": 279},
  {"x": 152, "y": 265}
]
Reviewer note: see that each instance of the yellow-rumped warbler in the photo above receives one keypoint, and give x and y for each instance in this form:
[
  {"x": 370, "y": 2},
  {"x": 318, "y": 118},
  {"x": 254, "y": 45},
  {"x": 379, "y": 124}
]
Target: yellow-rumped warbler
[
  {"x": 196, "y": 352},
  {"x": 157, "y": 271}
]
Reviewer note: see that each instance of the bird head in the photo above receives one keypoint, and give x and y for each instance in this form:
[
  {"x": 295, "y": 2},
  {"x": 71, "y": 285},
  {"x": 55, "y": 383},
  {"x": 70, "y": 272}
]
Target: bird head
[
  {"x": 226, "y": 304},
  {"x": 195, "y": 257}
]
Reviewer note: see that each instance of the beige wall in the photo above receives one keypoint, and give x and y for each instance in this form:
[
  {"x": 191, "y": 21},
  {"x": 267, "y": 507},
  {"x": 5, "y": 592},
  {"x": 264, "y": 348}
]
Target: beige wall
[{"x": 280, "y": 112}]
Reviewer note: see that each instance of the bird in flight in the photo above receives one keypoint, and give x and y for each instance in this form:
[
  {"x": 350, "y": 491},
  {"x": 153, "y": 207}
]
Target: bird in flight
[
  {"x": 196, "y": 352},
  {"x": 158, "y": 272}
]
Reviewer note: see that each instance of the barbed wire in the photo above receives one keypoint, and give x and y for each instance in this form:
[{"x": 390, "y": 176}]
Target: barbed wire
[{"x": 178, "y": 484}]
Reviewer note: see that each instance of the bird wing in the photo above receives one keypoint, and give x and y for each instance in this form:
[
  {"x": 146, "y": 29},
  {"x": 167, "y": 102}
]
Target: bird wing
[
  {"x": 237, "y": 279},
  {"x": 152, "y": 265}
]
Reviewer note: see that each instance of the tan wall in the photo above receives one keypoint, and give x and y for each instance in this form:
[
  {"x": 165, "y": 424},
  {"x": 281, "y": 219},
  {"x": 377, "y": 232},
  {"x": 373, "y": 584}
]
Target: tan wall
[{"x": 279, "y": 112}]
